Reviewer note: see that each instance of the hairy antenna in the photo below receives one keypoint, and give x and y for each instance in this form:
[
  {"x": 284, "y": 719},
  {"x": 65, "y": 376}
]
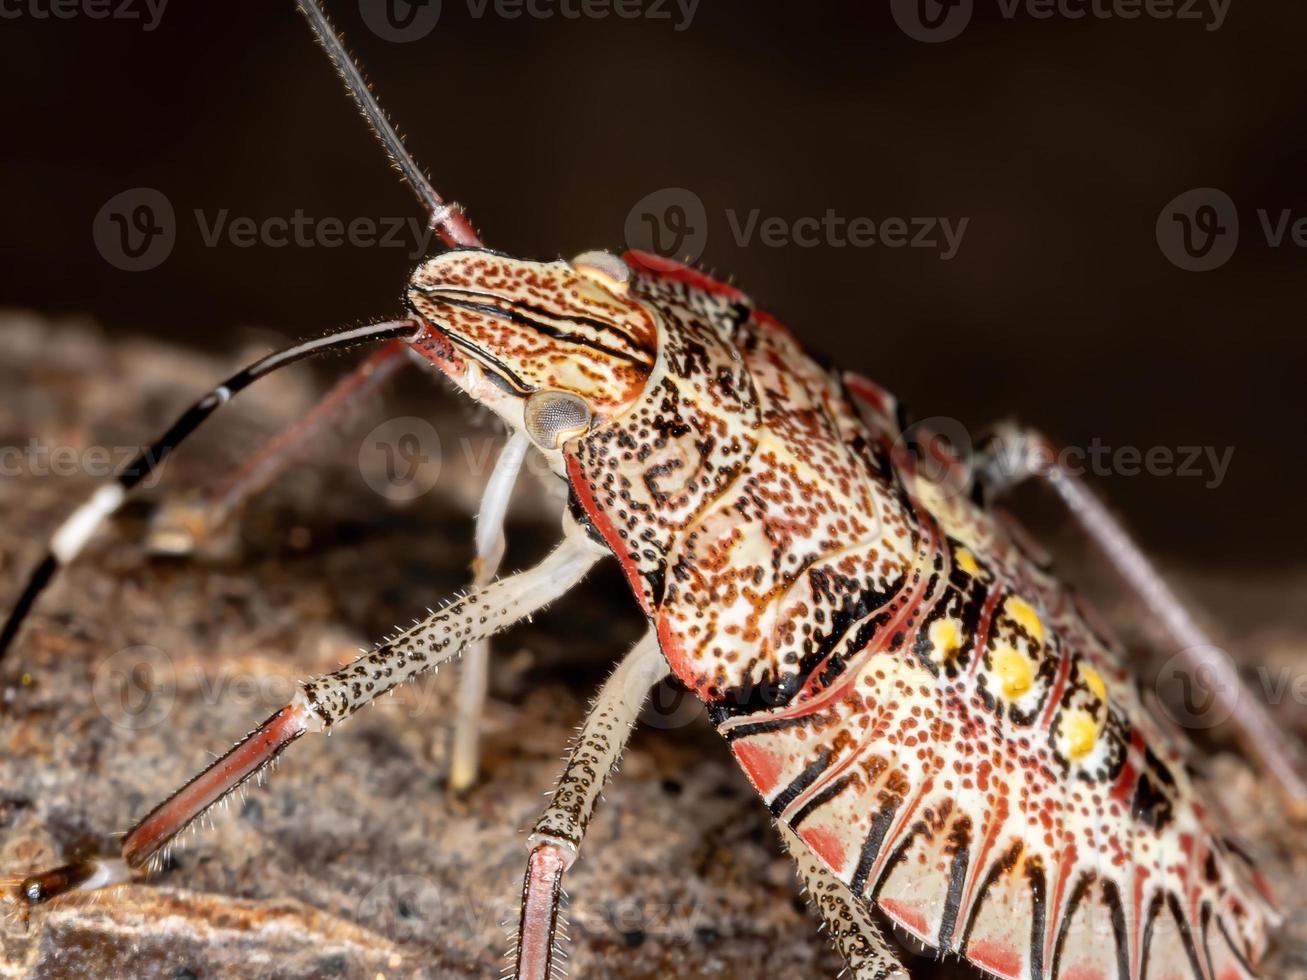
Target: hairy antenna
[{"x": 447, "y": 219}]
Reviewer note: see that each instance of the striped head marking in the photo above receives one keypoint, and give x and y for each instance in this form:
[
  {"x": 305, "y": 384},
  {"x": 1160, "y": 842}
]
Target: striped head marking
[{"x": 550, "y": 346}]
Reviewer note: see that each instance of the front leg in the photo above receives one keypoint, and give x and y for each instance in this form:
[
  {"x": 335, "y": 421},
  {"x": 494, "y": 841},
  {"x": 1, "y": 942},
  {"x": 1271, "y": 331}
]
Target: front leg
[
  {"x": 321, "y": 704},
  {"x": 1014, "y": 455}
]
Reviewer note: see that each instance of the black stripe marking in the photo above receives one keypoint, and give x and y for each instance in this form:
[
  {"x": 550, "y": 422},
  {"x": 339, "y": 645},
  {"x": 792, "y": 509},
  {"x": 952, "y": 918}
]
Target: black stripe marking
[
  {"x": 758, "y": 727},
  {"x": 825, "y": 796},
  {"x": 961, "y": 836},
  {"x": 540, "y": 327},
  {"x": 509, "y": 375},
  {"x": 880, "y": 825},
  {"x": 1000, "y": 867},
  {"x": 1112, "y": 897},
  {"x": 801, "y": 782},
  {"x": 1186, "y": 934},
  {"x": 1039, "y": 918},
  {"x": 1234, "y": 947}
]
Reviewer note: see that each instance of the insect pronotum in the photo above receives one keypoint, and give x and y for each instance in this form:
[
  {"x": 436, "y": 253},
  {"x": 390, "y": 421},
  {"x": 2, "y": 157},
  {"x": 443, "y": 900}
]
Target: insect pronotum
[{"x": 946, "y": 744}]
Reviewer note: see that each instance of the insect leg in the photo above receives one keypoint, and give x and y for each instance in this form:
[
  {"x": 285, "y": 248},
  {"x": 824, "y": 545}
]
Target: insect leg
[
  {"x": 1014, "y": 455},
  {"x": 472, "y": 672},
  {"x": 182, "y": 523},
  {"x": 72, "y": 535},
  {"x": 861, "y": 942},
  {"x": 556, "y": 837},
  {"x": 324, "y": 701}
]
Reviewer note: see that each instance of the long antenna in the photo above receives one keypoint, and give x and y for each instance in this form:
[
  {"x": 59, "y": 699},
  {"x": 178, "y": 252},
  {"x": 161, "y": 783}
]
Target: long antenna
[
  {"x": 448, "y": 220},
  {"x": 70, "y": 537}
]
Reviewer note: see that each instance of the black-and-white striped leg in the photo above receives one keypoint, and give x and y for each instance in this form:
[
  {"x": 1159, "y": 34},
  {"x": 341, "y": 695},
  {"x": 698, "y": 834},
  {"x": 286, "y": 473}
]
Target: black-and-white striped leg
[
  {"x": 71, "y": 536},
  {"x": 1014, "y": 455},
  {"x": 556, "y": 839},
  {"x": 464, "y": 755},
  {"x": 869, "y": 954},
  {"x": 325, "y": 701}
]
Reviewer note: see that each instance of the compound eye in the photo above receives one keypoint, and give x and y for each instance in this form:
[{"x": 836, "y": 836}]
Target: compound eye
[
  {"x": 604, "y": 268},
  {"x": 553, "y": 417}
]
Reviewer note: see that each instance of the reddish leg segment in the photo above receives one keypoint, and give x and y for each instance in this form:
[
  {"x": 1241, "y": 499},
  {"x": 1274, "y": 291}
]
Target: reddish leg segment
[
  {"x": 1015, "y": 455},
  {"x": 556, "y": 839},
  {"x": 327, "y": 700}
]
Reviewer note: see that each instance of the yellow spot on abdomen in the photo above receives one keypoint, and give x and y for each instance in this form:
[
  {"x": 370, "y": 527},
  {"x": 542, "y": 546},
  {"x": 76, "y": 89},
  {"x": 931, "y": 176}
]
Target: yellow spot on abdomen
[
  {"x": 1095, "y": 683},
  {"x": 1024, "y": 613},
  {"x": 1014, "y": 672},
  {"x": 945, "y": 639},
  {"x": 1079, "y": 734},
  {"x": 967, "y": 562}
]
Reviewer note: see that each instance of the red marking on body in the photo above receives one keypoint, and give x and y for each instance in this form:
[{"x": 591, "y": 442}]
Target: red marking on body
[
  {"x": 982, "y": 630},
  {"x": 996, "y": 958},
  {"x": 908, "y": 916},
  {"x": 1085, "y": 973},
  {"x": 1264, "y": 886},
  {"x": 863, "y": 389},
  {"x": 581, "y": 486},
  {"x": 826, "y": 844},
  {"x": 763, "y": 767},
  {"x": 676, "y": 271},
  {"x": 436, "y": 348},
  {"x": 1055, "y": 692},
  {"x": 769, "y": 322}
]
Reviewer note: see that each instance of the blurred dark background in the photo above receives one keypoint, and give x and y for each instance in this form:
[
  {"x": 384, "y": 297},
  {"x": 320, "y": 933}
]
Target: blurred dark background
[{"x": 1060, "y": 139}]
